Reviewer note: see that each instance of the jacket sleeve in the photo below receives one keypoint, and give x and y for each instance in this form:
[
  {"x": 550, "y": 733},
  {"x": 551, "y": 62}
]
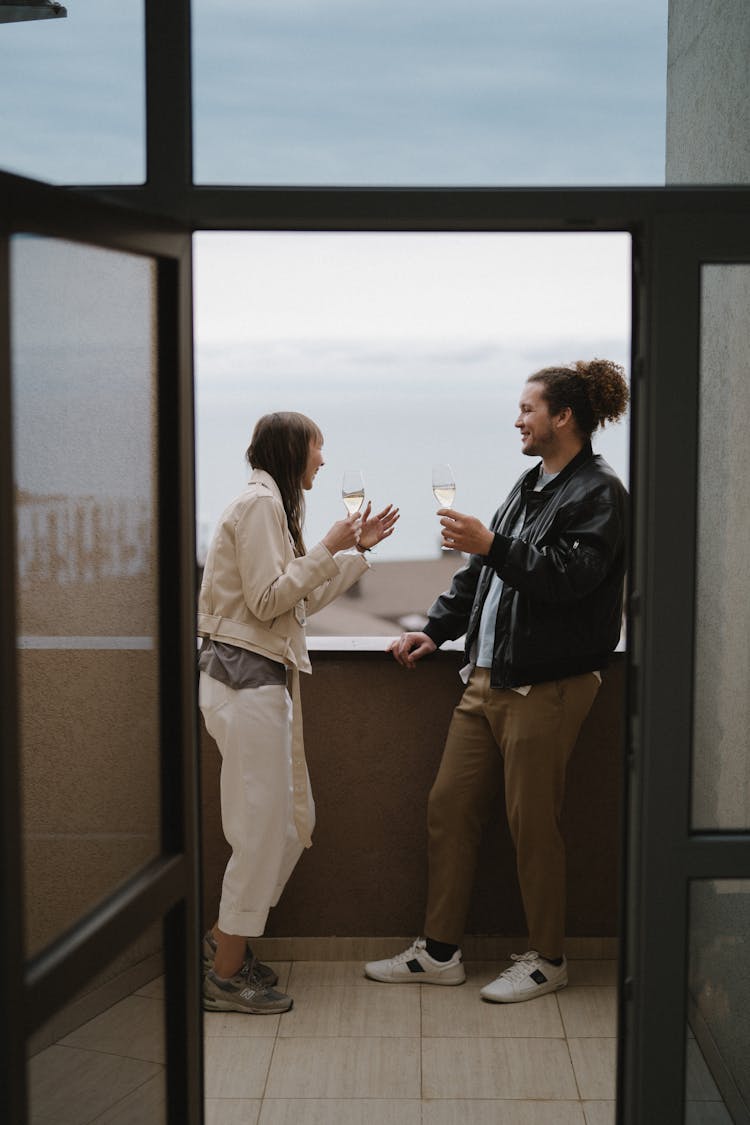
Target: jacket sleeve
[
  {"x": 351, "y": 567},
  {"x": 270, "y": 584},
  {"x": 448, "y": 616},
  {"x": 578, "y": 554}
]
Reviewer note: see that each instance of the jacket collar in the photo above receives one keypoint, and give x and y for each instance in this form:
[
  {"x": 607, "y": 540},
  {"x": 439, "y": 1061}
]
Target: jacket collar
[
  {"x": 265, "y": 480},
  {"x": 584, "y": 454}
]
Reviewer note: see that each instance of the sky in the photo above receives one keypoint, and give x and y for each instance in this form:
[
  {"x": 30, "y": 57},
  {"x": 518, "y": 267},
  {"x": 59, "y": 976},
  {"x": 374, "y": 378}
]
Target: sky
[
  {"x": 431, "y": 91},
  {"x": 407, "y": 350},
  {"x": 398, "y": 344},
  {"x": 352, "y": 91}
]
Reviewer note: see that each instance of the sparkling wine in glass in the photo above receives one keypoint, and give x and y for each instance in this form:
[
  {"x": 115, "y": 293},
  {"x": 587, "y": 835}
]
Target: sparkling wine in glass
[
  {"x": 443, "y": 485},
  {"x": 353, "y": 490}
]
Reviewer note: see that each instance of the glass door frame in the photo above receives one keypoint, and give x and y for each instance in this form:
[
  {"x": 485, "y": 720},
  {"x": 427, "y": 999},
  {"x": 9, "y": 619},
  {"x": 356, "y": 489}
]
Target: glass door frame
[
  {"x": 166, "y": 889},
  {"x": 663, "y": 854}
]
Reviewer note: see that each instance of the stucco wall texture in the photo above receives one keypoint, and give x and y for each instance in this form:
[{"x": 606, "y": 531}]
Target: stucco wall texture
[{"x": 708, "y": 142}]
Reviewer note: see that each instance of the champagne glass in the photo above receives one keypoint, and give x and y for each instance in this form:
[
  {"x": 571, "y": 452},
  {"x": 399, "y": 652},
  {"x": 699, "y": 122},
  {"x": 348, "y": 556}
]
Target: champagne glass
[
  {"x": 443, "y": 485},
  {"x": 353, "y": 490}
]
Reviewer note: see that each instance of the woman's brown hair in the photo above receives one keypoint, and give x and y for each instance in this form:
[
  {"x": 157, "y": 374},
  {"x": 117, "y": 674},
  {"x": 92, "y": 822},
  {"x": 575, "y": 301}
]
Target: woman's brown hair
[
  {"x": 596, "y": 392},
  {"x": 281, "y": 446}
]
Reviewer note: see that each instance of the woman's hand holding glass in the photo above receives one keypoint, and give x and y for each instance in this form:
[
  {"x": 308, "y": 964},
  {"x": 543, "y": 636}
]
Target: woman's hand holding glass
[
  {"x": 344, "y": 534},
  {"x": 363, "y": 531}
]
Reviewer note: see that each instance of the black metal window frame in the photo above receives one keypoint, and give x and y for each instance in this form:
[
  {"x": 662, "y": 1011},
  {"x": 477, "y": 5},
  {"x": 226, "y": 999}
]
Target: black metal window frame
[
  {"x": 167, "y": 889},
  {"x": 674, "y": 231}
]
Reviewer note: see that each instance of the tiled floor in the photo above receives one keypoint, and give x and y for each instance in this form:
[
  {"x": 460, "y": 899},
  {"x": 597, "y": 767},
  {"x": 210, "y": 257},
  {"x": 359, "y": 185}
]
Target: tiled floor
[{"x": 353, "y": 1052}]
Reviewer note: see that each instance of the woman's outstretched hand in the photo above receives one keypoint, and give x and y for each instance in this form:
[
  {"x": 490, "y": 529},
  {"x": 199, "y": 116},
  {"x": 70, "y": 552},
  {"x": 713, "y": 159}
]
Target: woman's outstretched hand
[{"x": 374, "y": 529}]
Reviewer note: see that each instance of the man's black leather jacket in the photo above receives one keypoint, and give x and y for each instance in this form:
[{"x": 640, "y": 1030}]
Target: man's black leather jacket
[{"x": 561, "y": 605}]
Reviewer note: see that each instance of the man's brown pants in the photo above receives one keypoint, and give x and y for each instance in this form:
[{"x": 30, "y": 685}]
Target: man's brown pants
[{"x": 529, "y": 739}]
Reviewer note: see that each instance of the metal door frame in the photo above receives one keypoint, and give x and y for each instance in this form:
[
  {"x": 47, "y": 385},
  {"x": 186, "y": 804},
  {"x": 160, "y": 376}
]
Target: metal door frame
[
  {"x": 663, "y": 854},
  {"x": 166, "y": 889}
]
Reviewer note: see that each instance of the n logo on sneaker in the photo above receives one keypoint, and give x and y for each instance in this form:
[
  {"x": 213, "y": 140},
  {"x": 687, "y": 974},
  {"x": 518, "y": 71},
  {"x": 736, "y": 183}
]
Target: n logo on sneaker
[
  {"x": 538, "y": 976},
  {"x": 415, "y": 966}
]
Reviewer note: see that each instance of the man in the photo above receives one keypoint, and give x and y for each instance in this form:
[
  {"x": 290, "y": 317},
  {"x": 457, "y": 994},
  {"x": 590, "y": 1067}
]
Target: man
[{"x": 540, "y": 602}]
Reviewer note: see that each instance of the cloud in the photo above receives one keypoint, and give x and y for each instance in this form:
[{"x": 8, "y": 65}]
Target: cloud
[
  {"x": 505, "y": 93},
  {"x": 441, "y": 288},
  {"x": 502, "y": 92}
]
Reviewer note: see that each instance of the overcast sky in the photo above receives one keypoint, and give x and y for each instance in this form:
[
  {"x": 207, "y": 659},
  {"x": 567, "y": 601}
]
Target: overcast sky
[
  {"x": 352, "y": 91},
  {"x": 406, "y": 349}
]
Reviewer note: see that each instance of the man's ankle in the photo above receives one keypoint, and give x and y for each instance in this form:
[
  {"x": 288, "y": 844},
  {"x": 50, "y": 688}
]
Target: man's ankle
[{"x": 439, "y": 950}]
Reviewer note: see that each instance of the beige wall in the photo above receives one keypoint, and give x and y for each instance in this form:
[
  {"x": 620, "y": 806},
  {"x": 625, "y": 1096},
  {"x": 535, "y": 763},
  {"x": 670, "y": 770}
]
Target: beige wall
[
  {"x": 90, "y": 780},
  {"x": 374, "y": 734}
]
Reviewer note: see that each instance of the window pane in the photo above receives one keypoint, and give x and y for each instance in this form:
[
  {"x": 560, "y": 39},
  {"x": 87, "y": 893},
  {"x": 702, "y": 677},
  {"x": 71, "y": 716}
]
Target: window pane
[
  {"x": 718, "y": 1043},
  {"x": 453, "y": 92},
  {"x": 721, "y": 766},
  {"x": 72, "y": 92},
  {"x": 84, "y": 377},
  {"x": 408, "y": 351}
]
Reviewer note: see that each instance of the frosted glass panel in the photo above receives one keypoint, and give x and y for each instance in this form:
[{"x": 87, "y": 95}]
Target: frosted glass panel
[
  {"x": 721, "y": 763},
  {"x": 446, "y": 92},
  {"x": 718, "y": 1044},
  {"x": 84, "y": 378}
]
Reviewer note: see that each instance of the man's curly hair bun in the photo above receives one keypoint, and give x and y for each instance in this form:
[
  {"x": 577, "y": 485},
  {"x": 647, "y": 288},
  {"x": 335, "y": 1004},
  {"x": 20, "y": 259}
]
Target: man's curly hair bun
[{"x": 596, "y": 391}]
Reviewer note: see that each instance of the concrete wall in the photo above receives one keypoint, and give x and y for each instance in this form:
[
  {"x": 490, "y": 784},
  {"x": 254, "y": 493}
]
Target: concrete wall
[
  {"x": 708, "y": 110},
  {"x": 708, "y": 142},
  {"x": 374, "y": 734}
]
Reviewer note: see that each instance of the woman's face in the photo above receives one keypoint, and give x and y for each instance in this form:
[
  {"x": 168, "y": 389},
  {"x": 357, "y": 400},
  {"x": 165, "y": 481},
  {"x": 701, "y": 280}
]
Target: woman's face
[{"x": 314, "y": 462}]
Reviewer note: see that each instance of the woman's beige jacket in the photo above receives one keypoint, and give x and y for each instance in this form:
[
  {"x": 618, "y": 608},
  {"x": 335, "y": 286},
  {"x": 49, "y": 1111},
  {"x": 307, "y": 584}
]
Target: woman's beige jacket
[{"x": 255, "y": 593}]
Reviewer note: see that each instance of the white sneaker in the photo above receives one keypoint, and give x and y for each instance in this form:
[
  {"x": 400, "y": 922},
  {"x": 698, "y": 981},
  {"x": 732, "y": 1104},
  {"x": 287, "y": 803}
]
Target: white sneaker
[
  {"x": 415, "y": 966},
  {"x": 530, "y": 976}
]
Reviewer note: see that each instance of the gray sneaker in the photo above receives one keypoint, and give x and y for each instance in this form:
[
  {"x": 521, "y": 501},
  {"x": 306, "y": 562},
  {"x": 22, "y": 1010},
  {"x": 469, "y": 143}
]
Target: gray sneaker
[
  {"x": 244, "y": 992},
  {"x": 264, "y": 972}
]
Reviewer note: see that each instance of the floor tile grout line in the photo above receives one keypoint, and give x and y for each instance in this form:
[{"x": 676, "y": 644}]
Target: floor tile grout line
[
  {"x": 119, "y": 1101},
  {"x": 106, "y": 1053},
  {"x": 570, "y": 1056},
  {"x": 276, "y": 1039},
  {"x": 421, "y": 1050}
]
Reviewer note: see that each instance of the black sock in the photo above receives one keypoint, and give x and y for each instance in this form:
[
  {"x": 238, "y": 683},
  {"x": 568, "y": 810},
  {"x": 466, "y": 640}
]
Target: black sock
[
  {"x": 556, "y": 961},
  {"x": 440, "y": 950}
]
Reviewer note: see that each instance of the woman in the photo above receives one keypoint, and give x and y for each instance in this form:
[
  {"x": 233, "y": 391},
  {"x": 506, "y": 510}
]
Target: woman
[{"x": 259, "y": 584}]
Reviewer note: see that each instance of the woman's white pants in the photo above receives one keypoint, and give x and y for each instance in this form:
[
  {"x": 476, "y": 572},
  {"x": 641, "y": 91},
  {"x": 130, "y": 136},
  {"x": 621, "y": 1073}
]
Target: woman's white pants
[{"x": 253, "y": 729}]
